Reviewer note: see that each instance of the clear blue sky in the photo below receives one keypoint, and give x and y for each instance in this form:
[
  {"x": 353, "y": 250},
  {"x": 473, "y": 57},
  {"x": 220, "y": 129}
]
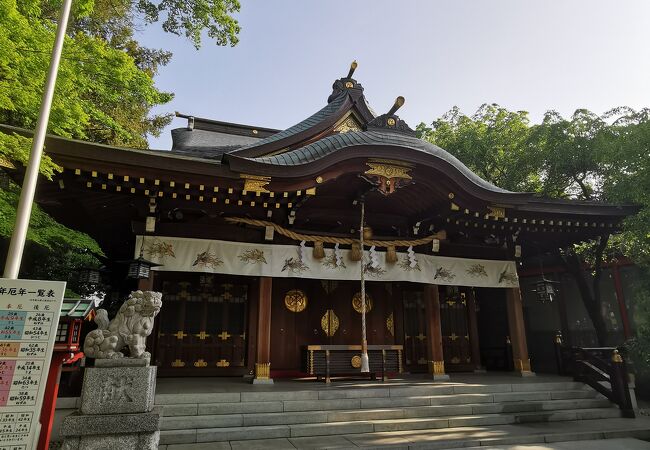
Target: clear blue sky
[{"x": 525, "y": 55}]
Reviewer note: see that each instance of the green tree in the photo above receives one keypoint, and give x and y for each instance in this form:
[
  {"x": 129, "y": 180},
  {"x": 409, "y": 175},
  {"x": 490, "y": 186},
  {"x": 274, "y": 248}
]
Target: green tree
[
  {"x": 493, "y": 143},
  {"x": 586, "y": 157},
  {"x": 105, "y": 90}
]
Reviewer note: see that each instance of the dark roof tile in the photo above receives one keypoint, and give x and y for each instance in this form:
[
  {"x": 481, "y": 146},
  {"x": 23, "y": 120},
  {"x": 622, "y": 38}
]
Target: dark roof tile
[{"x": 319, "y": 116}]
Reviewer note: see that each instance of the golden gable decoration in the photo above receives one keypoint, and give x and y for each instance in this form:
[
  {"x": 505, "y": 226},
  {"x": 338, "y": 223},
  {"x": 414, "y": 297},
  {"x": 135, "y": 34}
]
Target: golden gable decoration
[
  {"x": 348, "y": 124},
  {"x": 388, "y": 174},
  {"x": 255, "y": 183}
]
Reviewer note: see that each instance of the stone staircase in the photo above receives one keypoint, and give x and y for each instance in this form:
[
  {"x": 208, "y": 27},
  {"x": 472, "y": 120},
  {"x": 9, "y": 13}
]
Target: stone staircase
[{"x": 320, "y": 411}]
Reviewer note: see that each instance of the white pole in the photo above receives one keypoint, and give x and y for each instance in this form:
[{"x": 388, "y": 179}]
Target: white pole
[
  {"x": 24, "y": 211},
  {"x": 365, "y": 363}
]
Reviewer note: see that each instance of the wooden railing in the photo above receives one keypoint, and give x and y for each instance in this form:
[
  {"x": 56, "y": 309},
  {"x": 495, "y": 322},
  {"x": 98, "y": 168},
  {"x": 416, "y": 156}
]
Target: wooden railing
[{"x": 602, "y": 368}]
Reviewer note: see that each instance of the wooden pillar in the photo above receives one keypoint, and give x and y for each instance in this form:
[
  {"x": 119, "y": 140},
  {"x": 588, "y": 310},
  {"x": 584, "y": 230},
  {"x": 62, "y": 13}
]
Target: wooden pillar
[
  {"x": 520, "y": 356},
  {"x": 435, "y": 356},
  {"x": 473, "y": 332},
  {"x": 263, "y": 359}
]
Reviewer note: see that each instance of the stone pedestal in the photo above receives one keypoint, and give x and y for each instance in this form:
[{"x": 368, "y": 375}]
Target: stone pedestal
[{"x": 117, "y": 411}]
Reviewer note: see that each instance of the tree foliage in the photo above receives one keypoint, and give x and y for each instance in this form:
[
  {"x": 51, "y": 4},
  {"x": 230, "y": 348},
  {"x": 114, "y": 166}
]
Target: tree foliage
[
  {"x": 105, "y": 89},
  {"x": 493, "y": 143},
  {"x": 101, "y": 94},
  {"x": 585, "y": 156}
]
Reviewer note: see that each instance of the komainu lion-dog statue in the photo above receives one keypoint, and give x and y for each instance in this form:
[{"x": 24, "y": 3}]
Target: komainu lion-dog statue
[{"x": 130, "y": 327}]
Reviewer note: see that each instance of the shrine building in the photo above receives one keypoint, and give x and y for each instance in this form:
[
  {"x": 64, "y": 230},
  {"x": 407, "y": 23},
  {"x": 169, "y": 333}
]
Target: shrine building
[{"x": 253, "y": 237}]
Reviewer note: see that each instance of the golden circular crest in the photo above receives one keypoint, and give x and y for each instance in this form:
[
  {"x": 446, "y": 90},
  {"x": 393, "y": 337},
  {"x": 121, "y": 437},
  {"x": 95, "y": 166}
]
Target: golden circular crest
[
  {"x": 295, "y": 300},
  {"x": 391, "y": 122},
  {"x": 356, "y": 361},
  {"x": 349, "y": 84},
  {"x": 356, "y": 302}
]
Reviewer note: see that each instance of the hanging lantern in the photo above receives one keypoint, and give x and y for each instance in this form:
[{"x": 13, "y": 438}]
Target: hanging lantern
[
  {"x": 139, "y": 268},
  {"x": 545, "y": 290},
  {"x": 89, "y": 275}
]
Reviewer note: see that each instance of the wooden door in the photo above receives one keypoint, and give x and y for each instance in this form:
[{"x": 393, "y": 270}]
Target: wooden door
[
  {"x": 291, "y": 331},
  {"x": 492, "y": 316},
  {"x": 202, "y": 325},
  {"x": 456, "y": 345},
  {"x": 415, "y": 335}
]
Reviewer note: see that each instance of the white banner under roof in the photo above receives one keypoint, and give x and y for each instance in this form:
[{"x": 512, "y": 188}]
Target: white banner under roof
[{"x": 239, "y": 258}]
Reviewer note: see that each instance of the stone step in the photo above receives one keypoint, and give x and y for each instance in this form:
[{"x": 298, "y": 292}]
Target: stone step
[
  {"x": 237, "y": 433},
  {"x": 288, "y": 418},
  {"x": 593, "y": 434},
  {"x": 342, "y": 392},
  {"x": 187, "y": 409}
]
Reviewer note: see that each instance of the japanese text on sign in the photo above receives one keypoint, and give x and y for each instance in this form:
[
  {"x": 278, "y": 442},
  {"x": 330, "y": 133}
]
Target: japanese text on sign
[{"x": 29, "y": 315}]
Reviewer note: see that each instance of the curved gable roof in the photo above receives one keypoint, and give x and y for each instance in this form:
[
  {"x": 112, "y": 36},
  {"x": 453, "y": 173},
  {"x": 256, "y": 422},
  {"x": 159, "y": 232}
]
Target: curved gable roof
[
  {"x": 336, "y": 147},
  {"x": 347, "y": 95},
  {"x": 338, "y": 142}
]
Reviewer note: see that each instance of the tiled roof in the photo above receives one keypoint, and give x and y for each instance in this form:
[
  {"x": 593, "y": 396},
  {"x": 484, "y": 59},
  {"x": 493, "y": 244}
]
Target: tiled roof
[
  {"x": 207, "y": 144},
  {"x": 336, "y": 142},
  {"x": 76, "y": 307},
  {"x": 309, "y": 122}
]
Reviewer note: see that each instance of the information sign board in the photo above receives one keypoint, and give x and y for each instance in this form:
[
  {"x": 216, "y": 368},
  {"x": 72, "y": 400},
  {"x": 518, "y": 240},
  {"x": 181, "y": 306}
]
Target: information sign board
[{"x": 29, "y": 317}]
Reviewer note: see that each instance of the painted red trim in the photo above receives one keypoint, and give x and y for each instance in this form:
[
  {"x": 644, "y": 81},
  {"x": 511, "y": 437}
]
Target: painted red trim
[
  {"x": 49, "y": 400},
  {"x": 627, "y": 330}
]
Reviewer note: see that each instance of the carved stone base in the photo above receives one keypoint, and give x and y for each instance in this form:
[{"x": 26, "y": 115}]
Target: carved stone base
[
  {"x": 117, "y": 411},
  {"x": 114, "y": 432},
  {"x": 118, "y": 390},
  {"x": 140, "y": 441}
]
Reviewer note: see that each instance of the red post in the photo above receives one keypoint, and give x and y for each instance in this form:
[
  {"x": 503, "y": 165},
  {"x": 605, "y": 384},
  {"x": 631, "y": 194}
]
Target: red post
[
  {"x": 49, "y": 400},
  {"x": 627, "y": 331}
]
